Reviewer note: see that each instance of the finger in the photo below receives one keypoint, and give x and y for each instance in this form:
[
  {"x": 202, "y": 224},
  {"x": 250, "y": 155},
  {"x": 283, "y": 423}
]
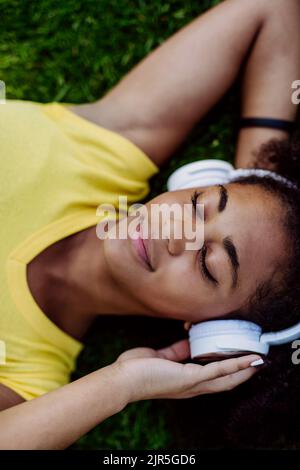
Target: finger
[
  {"x": 223, "y": 384},
  {"x": 187, "y": 325},
  {"x": 228, "y": 366},
  {"x": 178, "y": 351}
]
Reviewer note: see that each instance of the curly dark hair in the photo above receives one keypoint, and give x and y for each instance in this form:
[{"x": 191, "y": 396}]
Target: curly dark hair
[{"x": 265, "y": 411}]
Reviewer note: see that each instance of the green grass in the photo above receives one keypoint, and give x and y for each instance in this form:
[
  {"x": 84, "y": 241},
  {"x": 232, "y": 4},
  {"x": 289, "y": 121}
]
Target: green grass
[{"x": 74, "y": 51}]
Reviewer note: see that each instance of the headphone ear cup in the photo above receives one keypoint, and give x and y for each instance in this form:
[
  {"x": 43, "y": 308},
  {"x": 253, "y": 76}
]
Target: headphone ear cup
[
  {"x": 200, "y": 173},
  {"x": 217, "y": 338}
]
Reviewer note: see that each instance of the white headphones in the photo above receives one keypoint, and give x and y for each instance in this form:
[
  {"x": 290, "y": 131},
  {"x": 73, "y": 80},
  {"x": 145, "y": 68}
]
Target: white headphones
[
  {"x": 226, "y": 337},
  {"x": 233, "y": 337},
  {"x": 211, "y": 172},
  {"x": 200, "y": 173}
]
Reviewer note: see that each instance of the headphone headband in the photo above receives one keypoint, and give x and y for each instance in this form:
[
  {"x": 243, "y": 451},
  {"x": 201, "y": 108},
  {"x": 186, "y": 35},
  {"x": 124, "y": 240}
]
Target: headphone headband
[{"x": 281, "y": 337}]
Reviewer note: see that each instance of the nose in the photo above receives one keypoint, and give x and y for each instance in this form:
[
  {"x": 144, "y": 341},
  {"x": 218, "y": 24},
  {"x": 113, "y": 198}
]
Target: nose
[
  {"x": 185, "y": 235},
  {"x": 175, "y": 246}
]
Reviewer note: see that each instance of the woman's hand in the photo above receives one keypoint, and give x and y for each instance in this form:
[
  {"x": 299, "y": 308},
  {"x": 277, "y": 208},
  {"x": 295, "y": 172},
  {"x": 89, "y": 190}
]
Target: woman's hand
[{"x": 151, "y": 373}]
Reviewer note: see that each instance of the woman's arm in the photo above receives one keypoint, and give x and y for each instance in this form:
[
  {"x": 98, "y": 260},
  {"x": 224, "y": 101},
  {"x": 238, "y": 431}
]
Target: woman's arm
[
  {"x": 272, "y": 66},
  {"x": 58, "y": 418},
  {"x": 162, "y": 98}
]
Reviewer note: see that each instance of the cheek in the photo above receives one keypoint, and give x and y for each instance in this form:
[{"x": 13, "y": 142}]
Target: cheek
[
  {"x": 178, "y": 287},
  {"x": 185, "y": 289}
]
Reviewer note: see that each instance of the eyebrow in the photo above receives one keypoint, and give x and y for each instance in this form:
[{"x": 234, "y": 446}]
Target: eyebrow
[
  {"x": 228, "y": 244},
  {"x": 223, "y": 197}
]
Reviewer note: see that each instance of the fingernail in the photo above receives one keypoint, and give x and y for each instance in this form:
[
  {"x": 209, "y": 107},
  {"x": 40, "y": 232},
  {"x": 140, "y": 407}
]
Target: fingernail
[{"x": 259, "y": 362}]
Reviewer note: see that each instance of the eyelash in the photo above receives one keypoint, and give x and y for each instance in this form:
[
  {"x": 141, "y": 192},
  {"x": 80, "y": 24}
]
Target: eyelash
[{"x": 204, "y": 269}]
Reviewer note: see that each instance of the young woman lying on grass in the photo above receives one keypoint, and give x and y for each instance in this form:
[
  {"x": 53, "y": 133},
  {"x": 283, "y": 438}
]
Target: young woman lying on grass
[{"x": 59, "y": 163}]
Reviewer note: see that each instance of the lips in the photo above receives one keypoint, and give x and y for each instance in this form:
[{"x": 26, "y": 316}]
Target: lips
[{"x": 141, "y": 247}]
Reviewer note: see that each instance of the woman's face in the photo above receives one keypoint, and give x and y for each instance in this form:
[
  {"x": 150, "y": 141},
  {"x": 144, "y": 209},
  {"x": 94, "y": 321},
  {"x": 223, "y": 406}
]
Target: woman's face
[{"x": 244, "y": 242}]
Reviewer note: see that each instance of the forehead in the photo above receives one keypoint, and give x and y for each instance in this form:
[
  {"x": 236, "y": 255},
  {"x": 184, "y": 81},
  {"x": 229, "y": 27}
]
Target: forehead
[{"x": 255, "y": 218}]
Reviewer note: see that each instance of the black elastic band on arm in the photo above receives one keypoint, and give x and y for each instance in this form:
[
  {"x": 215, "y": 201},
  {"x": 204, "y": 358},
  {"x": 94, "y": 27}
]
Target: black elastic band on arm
[{"x": 280, "y": 124}]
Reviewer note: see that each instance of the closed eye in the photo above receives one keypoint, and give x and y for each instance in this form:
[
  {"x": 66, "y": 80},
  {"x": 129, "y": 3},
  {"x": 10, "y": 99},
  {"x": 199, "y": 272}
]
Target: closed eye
[{"x": 205, "y": 271}]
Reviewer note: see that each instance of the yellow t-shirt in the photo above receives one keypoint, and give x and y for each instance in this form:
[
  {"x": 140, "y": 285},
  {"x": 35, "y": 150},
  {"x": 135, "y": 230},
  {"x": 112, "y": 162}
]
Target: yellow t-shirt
[{"x": 56, "y": 169}]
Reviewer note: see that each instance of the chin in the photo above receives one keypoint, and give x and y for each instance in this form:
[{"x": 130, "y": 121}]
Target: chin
[
  {"x": 120, "y": 264},
  {"x": 115, "y": 255}
]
